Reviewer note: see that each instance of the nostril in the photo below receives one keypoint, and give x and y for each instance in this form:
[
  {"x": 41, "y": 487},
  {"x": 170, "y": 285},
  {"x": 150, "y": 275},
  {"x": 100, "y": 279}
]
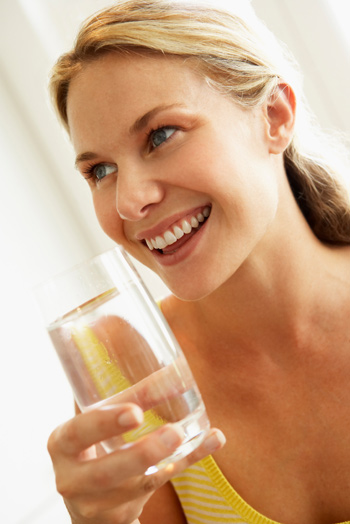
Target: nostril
[
  {"x": 135, "y": 200},
  {"x": 134, "y": 214},
  {"x": 144, "y": 210}
]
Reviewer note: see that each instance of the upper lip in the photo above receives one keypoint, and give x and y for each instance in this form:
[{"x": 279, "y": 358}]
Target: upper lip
[{"x": 165, "y": 224}]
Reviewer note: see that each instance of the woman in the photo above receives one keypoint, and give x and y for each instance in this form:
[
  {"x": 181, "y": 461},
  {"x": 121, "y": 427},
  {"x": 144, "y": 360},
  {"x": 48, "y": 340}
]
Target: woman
[{"x": 186, "y": 130}]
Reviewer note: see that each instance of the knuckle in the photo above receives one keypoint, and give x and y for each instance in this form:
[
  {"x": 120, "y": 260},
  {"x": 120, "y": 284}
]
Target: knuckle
[
  {"x": 52, "y": 443},
  {"x": 71, "y": 434},
  {"x": 151, "y": 483},
  {"x": 65, "y": 489},
  {"x": 63, "y": 438}
]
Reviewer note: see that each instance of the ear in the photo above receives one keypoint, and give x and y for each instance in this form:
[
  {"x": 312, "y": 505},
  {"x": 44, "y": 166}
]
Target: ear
[{"x": 280, "y": 118}]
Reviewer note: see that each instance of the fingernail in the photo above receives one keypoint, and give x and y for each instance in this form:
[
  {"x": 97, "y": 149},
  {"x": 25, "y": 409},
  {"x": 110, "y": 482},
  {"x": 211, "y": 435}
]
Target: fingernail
[
  {"x": 171, "y": 436},
  {"x": 132, "y": 417},
  {"x": 215, "y": 441}
]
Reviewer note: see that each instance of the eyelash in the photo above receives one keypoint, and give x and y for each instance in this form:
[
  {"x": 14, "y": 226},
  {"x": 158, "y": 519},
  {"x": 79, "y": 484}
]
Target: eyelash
[
  {"x": 88, "y": 171},
  {"x": 159, "y": 128}
]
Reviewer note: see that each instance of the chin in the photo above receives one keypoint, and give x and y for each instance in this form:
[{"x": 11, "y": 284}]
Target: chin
[{"x": 191, "y": 293}]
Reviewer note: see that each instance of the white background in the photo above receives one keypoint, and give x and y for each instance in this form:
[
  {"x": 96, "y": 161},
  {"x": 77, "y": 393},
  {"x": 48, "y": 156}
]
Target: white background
[{"x": 47, "y": 223}]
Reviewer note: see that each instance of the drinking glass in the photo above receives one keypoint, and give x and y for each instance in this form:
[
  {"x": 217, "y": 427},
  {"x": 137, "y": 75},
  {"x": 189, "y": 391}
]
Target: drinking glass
[{"x": 115, "y": 346}]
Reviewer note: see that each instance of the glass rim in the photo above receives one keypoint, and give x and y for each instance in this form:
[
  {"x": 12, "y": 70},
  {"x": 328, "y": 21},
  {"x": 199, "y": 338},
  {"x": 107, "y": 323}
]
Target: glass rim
[
  {"x": 84, "y": 281},
  {"x": 78, "y": 265}
]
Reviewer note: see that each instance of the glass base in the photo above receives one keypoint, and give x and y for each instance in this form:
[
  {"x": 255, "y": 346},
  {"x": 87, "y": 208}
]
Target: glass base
[{"x": 182, "y": 451}]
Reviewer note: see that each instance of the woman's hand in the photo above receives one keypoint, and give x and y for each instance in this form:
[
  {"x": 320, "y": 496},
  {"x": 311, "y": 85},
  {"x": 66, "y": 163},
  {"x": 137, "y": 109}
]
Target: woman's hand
[{"x": 100, "y": 488}]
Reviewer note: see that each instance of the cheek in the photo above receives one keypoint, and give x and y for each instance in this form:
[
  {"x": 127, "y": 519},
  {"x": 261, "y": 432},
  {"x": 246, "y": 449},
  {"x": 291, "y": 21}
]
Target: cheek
[{"x": 107, "y": 215}]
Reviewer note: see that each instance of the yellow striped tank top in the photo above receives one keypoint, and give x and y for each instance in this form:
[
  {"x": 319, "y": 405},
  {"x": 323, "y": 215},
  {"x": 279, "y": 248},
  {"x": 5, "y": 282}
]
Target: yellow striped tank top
[{"x": 207, "y": 497}]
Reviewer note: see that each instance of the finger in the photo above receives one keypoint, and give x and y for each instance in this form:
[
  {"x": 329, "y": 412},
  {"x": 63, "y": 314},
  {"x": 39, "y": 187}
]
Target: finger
[
  {"x": 214, "y": 441},
  {"x": 106, "y": 487},
  {"x": 130, "y": 462},
  {"x": 149, "y": 483},
  {"x": 91, "y": 427},
  {"x": 142, "y": 485}
]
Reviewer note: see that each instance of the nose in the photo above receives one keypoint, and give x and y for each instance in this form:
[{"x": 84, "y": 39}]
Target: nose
[{"x": 137, "y": 191}]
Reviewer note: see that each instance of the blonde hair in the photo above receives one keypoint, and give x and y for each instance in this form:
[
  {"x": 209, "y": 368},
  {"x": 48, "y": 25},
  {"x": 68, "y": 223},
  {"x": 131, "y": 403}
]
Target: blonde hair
[{"x": 243, "y": 63}]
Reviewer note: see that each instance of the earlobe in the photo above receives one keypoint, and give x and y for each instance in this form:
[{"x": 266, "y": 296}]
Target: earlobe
[{"x": 280, "y": 118}]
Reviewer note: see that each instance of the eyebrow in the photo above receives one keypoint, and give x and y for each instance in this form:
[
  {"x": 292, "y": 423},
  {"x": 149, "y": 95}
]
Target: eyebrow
[
  {"x": 142, "y": 122},
  {"x": 83, "y": 157},
  {"x": 136, "y": 127}
]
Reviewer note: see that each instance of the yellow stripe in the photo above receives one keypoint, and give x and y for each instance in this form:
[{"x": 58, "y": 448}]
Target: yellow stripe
[
  {"x": 105, "y": 374},
  {"x": 193, "y": 506},
  {"x": 199, "y": 498},
  {"x": 189, "y": 493},
  {"x": 192, "y": 519},
  {"x": 211, "y": 518},
  {"x": 228, "y": 496},
  {"x": 194, "y": 480},
  {"x": 202, "y": 491}
]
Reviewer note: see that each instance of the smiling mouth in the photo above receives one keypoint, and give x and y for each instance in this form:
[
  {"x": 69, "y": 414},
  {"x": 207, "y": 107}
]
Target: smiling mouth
[{"x": 172, "y": 239}]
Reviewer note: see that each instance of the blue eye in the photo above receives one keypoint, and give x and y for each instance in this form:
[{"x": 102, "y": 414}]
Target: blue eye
[
  {"x": 100, "y": 171},
  {"x": 161, "y": 135}
]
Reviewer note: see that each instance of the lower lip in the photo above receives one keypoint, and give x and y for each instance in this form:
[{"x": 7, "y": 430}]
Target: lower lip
[{"x": 183, "y": 252}]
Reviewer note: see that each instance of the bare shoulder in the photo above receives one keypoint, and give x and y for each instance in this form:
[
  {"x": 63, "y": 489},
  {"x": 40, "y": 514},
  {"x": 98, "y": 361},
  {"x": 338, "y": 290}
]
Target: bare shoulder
[{"x": 163, "y": 506}]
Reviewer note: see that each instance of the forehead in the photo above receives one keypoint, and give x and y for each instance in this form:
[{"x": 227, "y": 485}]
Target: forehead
[{"x": 130, "y": 84}]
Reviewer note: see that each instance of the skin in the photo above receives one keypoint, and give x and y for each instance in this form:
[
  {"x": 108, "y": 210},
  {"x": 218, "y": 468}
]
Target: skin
[
  {"x": 260, "y": 306},
  {"x": 165, "y": 181}
]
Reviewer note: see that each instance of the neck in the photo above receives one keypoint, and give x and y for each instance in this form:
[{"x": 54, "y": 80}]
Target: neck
[
  {"x": 285, "y": 296},
  {"x": 276, "y": 300}
]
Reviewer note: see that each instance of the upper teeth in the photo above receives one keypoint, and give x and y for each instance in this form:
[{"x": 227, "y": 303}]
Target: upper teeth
[{"x": 171, "y": 236}]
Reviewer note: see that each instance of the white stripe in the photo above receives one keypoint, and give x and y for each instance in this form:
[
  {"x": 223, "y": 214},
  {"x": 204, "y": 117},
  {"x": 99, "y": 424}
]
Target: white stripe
[
  {"x": 226, "y": 515},
  {"x": 207, "y": 503},
  {"x": 195, "y": 467},
  {"x": 191, "y": 485},
  {"x": 200, "y": 475},
  {"x": 194, "y": 520},
  {"x": 199, "y": 496},
  {"x": 218, "y": 500}
]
